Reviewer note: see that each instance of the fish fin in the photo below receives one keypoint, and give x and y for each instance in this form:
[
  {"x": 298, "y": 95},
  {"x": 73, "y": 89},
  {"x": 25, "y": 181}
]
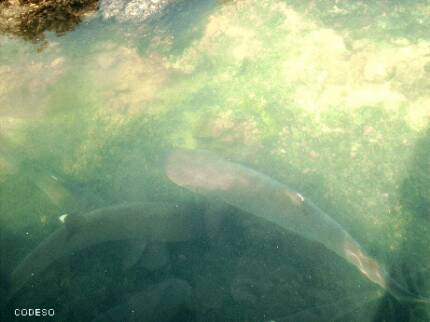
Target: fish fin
[
  {"x": 63, "y": 217},
  {"x": 73, "y": 222},
  {"x": 135, "y": 249}
]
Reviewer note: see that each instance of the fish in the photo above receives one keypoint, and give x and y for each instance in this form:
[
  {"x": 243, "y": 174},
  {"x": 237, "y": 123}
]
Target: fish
[
  {"x": 204, "y": 172},
  {"x": 159, "y": 302},
  {"x": 137, "y": 223}
]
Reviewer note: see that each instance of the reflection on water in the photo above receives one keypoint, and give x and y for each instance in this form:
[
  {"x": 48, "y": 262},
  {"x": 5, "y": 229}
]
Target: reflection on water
[{"x": 330, "y": 98}]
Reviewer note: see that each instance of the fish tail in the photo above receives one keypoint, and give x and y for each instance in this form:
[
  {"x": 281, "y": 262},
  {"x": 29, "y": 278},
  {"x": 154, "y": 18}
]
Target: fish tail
[{"x": 402, "y": 294}]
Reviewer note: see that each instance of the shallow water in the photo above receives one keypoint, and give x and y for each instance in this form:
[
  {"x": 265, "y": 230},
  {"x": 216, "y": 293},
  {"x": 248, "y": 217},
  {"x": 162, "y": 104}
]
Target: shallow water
[{"x": 332, "y": 100}]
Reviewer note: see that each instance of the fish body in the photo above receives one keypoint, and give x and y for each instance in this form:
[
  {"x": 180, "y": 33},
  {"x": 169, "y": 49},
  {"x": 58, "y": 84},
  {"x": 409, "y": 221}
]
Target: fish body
[
  {"x": 132, "y": 221},
  {"x": 206, "y": 173}
]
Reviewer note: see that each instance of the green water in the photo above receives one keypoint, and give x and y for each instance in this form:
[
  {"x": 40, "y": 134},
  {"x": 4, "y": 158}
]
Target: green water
[{"x": 331, "y": 99}]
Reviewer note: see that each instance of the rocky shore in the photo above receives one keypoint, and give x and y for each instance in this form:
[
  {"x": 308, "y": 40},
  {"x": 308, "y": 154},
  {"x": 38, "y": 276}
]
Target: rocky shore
[{"x": 30, "y": 18}]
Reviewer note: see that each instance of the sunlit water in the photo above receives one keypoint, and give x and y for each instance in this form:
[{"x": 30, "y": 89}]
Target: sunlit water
[{"x": 331, "y": 100}]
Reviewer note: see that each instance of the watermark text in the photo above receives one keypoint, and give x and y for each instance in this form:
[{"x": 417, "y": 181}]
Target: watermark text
[{"x": 31, "y": 312}]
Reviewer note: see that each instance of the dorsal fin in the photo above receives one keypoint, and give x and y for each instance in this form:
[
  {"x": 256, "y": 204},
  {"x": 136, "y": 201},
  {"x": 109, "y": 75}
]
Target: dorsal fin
[{"x": 73, "y": 222}]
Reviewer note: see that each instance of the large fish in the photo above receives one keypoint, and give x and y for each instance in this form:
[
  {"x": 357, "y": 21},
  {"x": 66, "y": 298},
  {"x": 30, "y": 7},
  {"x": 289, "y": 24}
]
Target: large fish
[
  {"x": 206, "y": 173},
  {"x": 136, "y": 222}
]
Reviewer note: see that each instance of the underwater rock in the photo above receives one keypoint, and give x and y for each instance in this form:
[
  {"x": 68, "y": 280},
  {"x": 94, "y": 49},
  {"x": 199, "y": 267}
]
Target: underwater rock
[
  {"x": 23, "y": 76},
  {"x": 231, "y": 129},
  {"x": 30, "y": 18},
  {"x": 131, "y": 10},
  {"x": 135, "y": 82}
]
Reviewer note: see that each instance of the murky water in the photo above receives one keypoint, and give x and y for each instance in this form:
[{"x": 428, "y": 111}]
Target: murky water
[{"x": 331, "y": 99}]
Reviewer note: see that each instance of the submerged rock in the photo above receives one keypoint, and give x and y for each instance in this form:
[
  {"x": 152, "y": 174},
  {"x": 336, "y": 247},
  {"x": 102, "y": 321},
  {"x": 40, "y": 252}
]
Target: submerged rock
[
  {"x": 131, "y": 10},
  {"x": 30, "y": 18}
]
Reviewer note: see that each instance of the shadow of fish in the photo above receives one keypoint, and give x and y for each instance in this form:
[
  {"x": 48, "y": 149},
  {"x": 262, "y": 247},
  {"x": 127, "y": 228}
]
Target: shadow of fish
[
  {"x": 136, "y": 222},
  {"x": 208, "y": 174}
]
